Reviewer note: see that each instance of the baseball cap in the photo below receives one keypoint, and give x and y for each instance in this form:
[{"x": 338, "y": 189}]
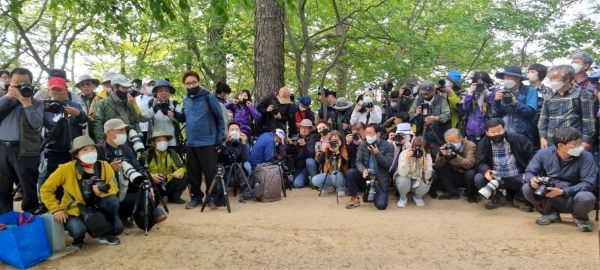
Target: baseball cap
[
  {"x": 107, "y": 76},
  {"x": 368, "y": 89},
  {"x": 426, "y": 87},
  {"x": 120, "y": 80},
  {"x": 57, "y": 82},
  {"x": 280, "y": 134},
  {"x": 147, "y": 80},
  {"x": 53, "y": 73},
  {"x": 304, "y": 100},
  {"x": 115, "y": 123}
]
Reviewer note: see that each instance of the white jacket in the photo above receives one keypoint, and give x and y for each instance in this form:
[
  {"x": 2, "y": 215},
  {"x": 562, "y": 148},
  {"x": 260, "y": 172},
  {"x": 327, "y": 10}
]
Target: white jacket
[
  {"x": 375, "y": 116},
  {"x": 413, "y": 170}
]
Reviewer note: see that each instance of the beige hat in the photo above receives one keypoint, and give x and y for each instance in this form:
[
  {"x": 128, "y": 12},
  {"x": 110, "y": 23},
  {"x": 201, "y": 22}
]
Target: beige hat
[
  {"x": 284, "y": 94},
  {"x": 115, "y": 123},
  {"x": 160, "y": 133},
  {"x": 81, "y": 142},
  {"x": 306, "y": 123}
]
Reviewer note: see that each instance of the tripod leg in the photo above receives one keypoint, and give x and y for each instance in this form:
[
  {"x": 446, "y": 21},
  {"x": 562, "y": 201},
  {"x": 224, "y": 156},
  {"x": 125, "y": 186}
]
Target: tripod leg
[
  {"x": 282, "y": 177},
  {"x": 208, "y": 193},
  {"x": 225, "y": 194},
  {"x": 130, "y": 222},
  {"x": 337, "y": 198},
  {"x": 146, "y": 199},
  {"x": 246, "y": 179},
  {"x": 160, "y": 199},
  {"x": 229, "y": 174}
]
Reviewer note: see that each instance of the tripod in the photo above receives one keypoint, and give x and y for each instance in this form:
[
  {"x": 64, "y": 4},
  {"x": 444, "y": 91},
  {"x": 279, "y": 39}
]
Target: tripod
[
  {"x": 219, "y": 183},
  {"x": 144, "y": 192},
  {"x": 234, "y": 169},
  {"x": 334, "y": 173}
]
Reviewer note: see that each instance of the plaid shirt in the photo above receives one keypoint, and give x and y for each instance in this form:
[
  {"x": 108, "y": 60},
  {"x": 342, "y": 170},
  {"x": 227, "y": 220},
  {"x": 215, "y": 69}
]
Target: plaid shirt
[
  {"x": 504, "y": 161},
  {"x": 558, "y": 112},
  {"x": 542, "y": 93}
]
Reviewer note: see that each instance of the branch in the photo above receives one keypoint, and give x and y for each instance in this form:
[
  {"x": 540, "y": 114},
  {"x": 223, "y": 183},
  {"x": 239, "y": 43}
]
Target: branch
[
  {"x": 297, "y": 51},
  {"x": 147, "y": 45},
  {"x": 37, "y": 20},
  {"x": 485, "y": 40},
  {"x": 34, "y": 53},
  {"x": 70, "y": 42},
  {"x": 339, "y": 49}
]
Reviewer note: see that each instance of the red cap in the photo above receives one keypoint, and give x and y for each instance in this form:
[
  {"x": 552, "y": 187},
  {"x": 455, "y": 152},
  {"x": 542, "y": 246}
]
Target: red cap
[{"x": 57, "y": 83}]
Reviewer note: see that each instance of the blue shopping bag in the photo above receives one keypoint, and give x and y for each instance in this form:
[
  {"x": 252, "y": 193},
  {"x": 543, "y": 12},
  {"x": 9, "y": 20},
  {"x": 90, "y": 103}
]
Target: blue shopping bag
[{"x": 25, "y": 245}]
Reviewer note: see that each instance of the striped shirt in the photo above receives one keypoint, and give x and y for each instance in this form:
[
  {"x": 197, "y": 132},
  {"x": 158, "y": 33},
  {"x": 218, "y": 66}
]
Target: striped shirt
[
  {"x": 504, "y": 161},
  {"x": 558, "y": 111}
]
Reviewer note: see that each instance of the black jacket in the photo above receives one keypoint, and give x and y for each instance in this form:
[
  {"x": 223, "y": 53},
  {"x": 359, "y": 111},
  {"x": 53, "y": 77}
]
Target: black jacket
[
  {"x": 268, "y": 121},
  {"x": 304, "y": 152},
  {"x": 521, "y": 148},
  {"x": 382, "y": 161}
]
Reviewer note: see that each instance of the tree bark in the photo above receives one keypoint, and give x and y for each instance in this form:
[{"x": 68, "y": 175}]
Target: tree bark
[
  {"x": 268, "y": 47},
  {"x": 216, "y": 50},
  {"x": 341, "y": 76}
]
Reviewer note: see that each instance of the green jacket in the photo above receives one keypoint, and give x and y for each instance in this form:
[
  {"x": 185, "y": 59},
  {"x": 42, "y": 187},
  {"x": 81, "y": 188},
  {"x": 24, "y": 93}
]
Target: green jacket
[
  {"x": 29, "y": 137},
  {"x": 110, "y": 108}
]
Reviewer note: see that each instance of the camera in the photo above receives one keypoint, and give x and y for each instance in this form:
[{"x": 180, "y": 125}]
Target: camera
[
  {"x": 540, "y": 193},
  {"x": 355, "y": 136},
  {"x": 398, "y": 137},
  {"x": 128, "y": 171},
  {"x": 163, "y": 183},
  {"x": 135, "y": 140},
  {"x": 275, "y": 110},
  {"x": 450, "y": 152},
  {"x": 163, "y": 107},
  {"x": 94, "y": 180},
  {"x": 508, "y": 96},
  {"x": 418, "y": 152},
  {"x": 425, "y": 111},
  {"x": 387, "y": 87},
  {"x": 480, "y": 87},
  {"x": 406, "y": 91},
  {"x": 441, "y": 84},
  {"x": 235, "y": 140},
  {"x": 333, "y": 144},
  {"x": 54, "y": 106},
  {"x": 26, "y": 89},
  {"x": 366, "y": 105},
  {"x": 371, "y": 186},
  {"x": 491, "y": 186}
]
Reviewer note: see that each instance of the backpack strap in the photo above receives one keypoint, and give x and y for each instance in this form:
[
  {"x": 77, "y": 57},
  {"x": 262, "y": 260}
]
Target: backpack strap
[{"x": 214, "y": 118}]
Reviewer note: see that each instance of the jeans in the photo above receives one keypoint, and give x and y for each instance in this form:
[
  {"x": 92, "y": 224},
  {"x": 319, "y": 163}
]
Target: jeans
[
  {"x": 248, "y": 168},
  {"x": 381, "y": 198},
  {"x": 301, "y": 175},
  {"x": 404, "y": 185},
  {"x": 353, "y": 180},
  {"x": 109, "y": 206},
  {"x": 328, "y": 180},
  {"x": 579, "y": 205},
  {"x": 513, "y": 184},
  {"x": 452, "y": 180}
]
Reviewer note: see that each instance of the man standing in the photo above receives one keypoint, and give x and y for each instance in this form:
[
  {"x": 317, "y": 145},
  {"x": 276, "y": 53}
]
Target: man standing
[
  {"x": 581, "y": 62},
  {"x": 330, "y": 98},
  {"x": 86, "y": 85},
  {"x": 20, "y": 118},
  {"x": 142, "y": 102},
  {"x": 275, "y": 110}
]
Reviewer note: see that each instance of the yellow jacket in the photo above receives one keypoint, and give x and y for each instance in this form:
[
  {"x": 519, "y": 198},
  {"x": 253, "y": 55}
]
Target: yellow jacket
[
  {"x": 68, "y": 177},
  {"x": 158, "y": 165},
  {"x": 102, "y": 95}
]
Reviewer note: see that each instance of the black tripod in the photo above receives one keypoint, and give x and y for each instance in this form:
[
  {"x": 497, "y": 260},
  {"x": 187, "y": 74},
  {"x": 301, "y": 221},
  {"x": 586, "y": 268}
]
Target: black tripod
[
  {"x": 144, "y": 192},
  {"x": 235, "y": 169},
  {"x": 219, "y": 183},
  {"x": 334, "y": 173}
]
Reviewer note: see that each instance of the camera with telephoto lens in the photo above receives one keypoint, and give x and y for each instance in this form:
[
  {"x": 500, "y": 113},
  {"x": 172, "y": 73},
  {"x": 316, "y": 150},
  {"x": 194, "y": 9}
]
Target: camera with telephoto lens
[
  {"x": 544, "y": 183},
  {"x": 418, "y": 152},
  {"x": 88, "y": 185},
  {"x": 334, "y": 144},
  {"x": 130, "y": 173},
  {"x": 54, "y": 106},
  {"x": 163, "y": 183},
  {"x": 163, "y": 107},
  {"x": 406, "y": 91},
  {"x": 25, "y": 89},
  {"x": 135, "y": 140},
  {"x": 441, "y": 84},
  {"x": 508, "y": 96},
  {"x": 372, "y": 184},
  {"x": 235, "y": 140},
  {"x": 450, "y": 152},
  {"x": 491, "y": 186},
  {"x": 387, "y": 87}
]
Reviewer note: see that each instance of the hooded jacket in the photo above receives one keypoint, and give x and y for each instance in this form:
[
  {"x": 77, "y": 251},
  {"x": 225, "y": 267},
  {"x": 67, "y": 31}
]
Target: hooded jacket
[{"x": 110, "y": 108}]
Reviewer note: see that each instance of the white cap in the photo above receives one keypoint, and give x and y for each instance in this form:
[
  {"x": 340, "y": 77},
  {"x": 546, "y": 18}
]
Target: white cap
[
  {"x": 280, "y": 134},
  {"x": 147, "y": 80}
]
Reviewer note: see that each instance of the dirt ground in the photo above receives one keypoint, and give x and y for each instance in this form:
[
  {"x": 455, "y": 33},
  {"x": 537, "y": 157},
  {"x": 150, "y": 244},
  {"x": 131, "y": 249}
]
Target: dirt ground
[{"x": 307, "y": 231}]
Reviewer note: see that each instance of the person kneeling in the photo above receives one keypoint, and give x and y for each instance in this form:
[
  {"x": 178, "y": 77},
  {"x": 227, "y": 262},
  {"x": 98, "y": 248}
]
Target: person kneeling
[
  {"x": 75, "y": 177},
  {"x": 566, "y": 187},
  {"x": 455, "y": 166},
  {"x": 166, "y": 167},
  {"x": 333, "y": 149},
  {"x": 414, "y": 172}
]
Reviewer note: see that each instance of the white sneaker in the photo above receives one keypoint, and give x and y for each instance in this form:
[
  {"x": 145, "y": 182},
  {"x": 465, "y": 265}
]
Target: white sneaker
[
  {"x": 401, "y": 203},
  {"x": 419, "y": 202}
]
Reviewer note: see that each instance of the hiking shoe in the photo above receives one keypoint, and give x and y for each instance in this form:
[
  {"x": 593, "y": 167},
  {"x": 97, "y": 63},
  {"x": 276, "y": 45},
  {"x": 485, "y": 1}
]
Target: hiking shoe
[
  {"x": 176, "y": 201},
  {"x": 212, "y": 205},
  {"x": 109, "y": 239},
  {"x": 419, "y": 202},
  {"x": 582, "y": 225},
  {"x": 77, "y": 243},
  {"x": 433, "y": 194},
  {"x": 472, "y": 199},
  {"x": 548, "y": 219},
  {"x": 401, "y": 203},
  {"x": 499, "y": 202},
  {"x": 18, "y": 196},
  {"x": 193, "y": 204},
  {"x": 523, "y": 206},
  {"x": 449, "y": 196},
  {"x": 353, "y": 203},
  {"x": 41, "y": 210}
]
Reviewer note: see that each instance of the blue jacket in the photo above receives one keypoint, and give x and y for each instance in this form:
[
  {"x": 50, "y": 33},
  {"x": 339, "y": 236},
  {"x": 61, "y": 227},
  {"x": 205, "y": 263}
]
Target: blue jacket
[
  {"x": 75, "y": 122},
  {"x": 520, "y": 118},
  {"x": 199, "y": 128},
  {"x": 576, "y": 175},
  {"x": 263, "y": 149}
]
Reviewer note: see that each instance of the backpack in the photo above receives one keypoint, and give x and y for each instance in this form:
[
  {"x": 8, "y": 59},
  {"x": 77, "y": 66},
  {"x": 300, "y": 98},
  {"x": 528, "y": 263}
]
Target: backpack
[
  {"x": 267, "y": 182},
  {"x": 223, "y": 114}
]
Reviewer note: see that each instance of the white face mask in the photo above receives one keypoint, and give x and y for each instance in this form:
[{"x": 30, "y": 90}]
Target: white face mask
[
  {"x": 457, "y": 145},
  {"x": 415, "y": 90},
  {"x": 121, "y": 139},
  {"x": 575, "y": 152},
  {"x": 149, "y": 89},
  {"x": 448, "y": 83},
  {"x": 226, "y": 97},
  {"x": 89, "y": 158},
  {"x": 577, "y": 67},
  {"x": 302, "y": 108},
  {"x": 371, "y": 139},
  {"x": 509, "y": 84},
  {"x": 107, "y": 88},
  {"x": 162, "y": 146},
  {"x": 235, "y": 135},
  {"x": 556, "y": 85},
  {"x": 393, "y": 104},
  {"x": 3, "y": 85},
  {"x": 532, "y": 77}
]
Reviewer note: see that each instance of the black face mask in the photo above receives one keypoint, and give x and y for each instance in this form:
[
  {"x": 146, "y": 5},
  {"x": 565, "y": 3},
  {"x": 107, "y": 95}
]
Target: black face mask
[
  {"x": 324, "y": 132},
  {"x": 497, "y": 138},
  {"x": 193, "y": 91},
  {"x": 428, "y": 99},
  {"x": 121, "y": 95},
  {"x": 242, "y": 101}
]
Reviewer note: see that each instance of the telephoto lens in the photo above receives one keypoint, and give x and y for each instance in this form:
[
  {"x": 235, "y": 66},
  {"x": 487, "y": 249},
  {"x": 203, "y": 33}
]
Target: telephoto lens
[
  {"x": 134, "y": 176},
  {"x": 491, "y": 186},
  {"x": 135, "y": 140}
]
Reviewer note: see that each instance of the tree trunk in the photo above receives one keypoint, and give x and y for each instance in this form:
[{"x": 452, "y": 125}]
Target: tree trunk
[
  {"x": 217, "y": 50},
  {"x": 341, "y": 77},
  {"x": 268, "y": 47}
]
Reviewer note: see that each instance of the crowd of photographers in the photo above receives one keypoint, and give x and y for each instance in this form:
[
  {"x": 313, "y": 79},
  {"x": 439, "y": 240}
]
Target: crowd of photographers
[{"x": 533, "y": 145}]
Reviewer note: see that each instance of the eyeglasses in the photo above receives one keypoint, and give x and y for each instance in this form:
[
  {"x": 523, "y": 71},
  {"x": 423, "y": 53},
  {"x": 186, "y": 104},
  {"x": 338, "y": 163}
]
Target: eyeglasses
[
  {"x": 86, "y": 84},
  {"x": 4, "y": 77},
  {"x": 188, "y": 84}
]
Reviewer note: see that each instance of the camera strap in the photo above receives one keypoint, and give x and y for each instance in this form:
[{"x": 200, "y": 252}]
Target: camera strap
[{"x": 88, "y": 201}]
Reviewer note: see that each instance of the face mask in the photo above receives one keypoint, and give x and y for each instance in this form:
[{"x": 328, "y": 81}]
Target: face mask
[
  {"x": 371, "y": 139},
  {"x": 3, "y": 85},
  {"x": 235, "y": 135},
  {"x": 89, "y": 158},
  {"x": 415, "y": 89},
  {"x": 280, "y": 101},
  {"x": 556, "y": 85},
  {"x": 148, "y": 89},
  {"x": 162, "y": 146},
  {"x": 226, "y": 97},
  {"x": 457, "y": 145},
  {"x": 121, "y": 95},
  {"x": 575, "y": 152},
  {"x": 242, "y": 101},
  {"x": 193, "y": 91},
  {"x": 324, "y": 132},
  {"x": 107, "y": 88},
  {"x": 121, "y": 139},
  {"x": 509, "y": 84},
  {"x": 393, "y": 104},
  {"x": 302, "y": 108},
  {"x": 448, "y": 83},
  {"x": 577, "y": 67},
  {"x": 497, "y": 138},
  {"x": 532, "y": 77}
]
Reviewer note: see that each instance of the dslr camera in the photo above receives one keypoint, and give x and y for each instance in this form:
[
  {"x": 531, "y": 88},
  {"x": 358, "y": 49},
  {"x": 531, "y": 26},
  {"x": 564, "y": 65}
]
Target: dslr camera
[
  {"x": 355, "y": 136},
  {"x": 418, "y": 152},
  {"x": 25, "y": 89},
  {"x": 508, "y": 96},
  {"x": 366, "y": 105},
  {"x": 540, "y": 193},
  {"x": 398, "y": 137},
  {"x": 163, "y": 107},
  {"x": 372, "y": 184},
  {"x": 406, "y": 91},
  {"x": 334, "y": 144},
  {"x": 491, "y": 186},
  {"x": 94, "y": 180},
  {"x": 441, "y": 84},
  {"x": 387, "y": 87},
  {"x": 275, "y": 110},
  {"x": 54, "y": 106},
  {"x": 480, "y": 87},
  {"x": 128, "y": 171},
  {"x": 450, "y": 152},
  {"x": 235, "y": 140},
  {"x": 135, "y": 140}
]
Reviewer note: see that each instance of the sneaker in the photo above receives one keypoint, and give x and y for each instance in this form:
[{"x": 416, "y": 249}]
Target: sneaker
[
  {"x": 109, "y": 239},
  {"x": 499, "y": 202},
  {"x": 582, "y": 225},
  {"x": 212, "y": 205},
  {"x": 449, "y": 196},
  {"x": 523, "y": 206},
  {"x": 472, "y": 199},
  {"x": 18, "y": 196},
  {"x": 77, "y": 243},
  {"x": 548, "y": 219},
  {"x": 41, "y": 210},
  {"x": 353, "y": 203},
  {"x": 432, "y": 194},
  {"x": 419, "y": 202},
  {"x": 401, "y": 203},
  {"x": 193, "y": 204},
  {"x": 176, "y": 201}
]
